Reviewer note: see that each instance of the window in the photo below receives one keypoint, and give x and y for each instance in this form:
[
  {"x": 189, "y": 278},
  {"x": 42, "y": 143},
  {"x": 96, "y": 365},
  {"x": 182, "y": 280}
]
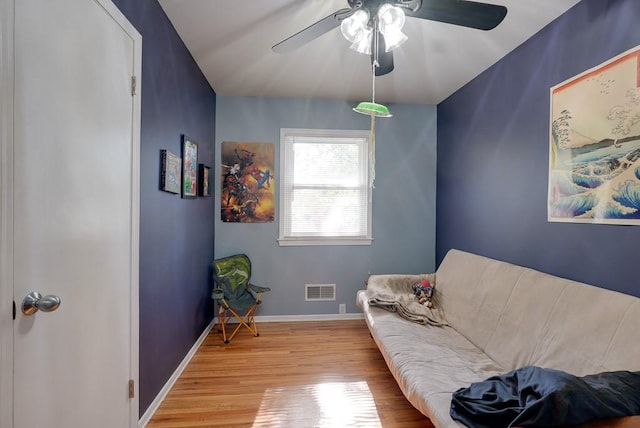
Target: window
[{"x": 325, "y": 197}]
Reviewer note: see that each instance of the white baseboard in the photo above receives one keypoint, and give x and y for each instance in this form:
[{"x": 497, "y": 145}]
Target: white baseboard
[
  {"x": 295, "y": 318},
  {"x": 153, "y": 407},
  {"x": 320, "y": 317}
]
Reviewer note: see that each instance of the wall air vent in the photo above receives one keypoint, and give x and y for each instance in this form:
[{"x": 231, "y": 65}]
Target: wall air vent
[{"x": 319, "y": 292}]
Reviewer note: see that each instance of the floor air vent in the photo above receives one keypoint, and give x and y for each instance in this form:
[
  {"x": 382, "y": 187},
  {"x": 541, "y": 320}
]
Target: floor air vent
[{"x": 318, "y": 292}]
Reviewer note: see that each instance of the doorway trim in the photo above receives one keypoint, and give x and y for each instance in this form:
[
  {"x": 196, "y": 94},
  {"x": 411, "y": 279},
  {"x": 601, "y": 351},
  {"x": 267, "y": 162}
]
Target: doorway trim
[{"x": 6, "y": 212}]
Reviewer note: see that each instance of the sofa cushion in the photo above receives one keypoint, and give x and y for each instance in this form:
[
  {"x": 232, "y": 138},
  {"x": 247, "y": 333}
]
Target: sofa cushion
[
  {"x": 578, "y": 334},
  {"x": 521, "y": 317},
  {"x": 473, "y": 292},
  {"x": 428, "y": 362}
]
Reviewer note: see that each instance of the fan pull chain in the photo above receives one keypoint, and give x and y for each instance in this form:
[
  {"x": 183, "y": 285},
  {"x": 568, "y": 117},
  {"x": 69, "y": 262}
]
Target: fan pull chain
[
  {"x": 372, "y": 137},
  {"x": 372, "y": 152}
]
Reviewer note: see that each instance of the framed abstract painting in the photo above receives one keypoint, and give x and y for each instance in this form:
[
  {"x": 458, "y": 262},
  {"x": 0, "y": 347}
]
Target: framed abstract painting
[
  {"x": 189, "y": 168},
  {"x": 248, "y": 193},
  {"x": 170, "y": 171}
]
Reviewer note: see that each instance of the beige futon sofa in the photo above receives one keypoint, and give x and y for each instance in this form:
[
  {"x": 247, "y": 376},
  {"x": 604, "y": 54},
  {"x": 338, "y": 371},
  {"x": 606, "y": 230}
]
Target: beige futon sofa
[{"x": 501, "y": 317}]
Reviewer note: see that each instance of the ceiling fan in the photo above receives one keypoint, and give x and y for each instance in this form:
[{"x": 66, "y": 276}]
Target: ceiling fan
[{"x": 373, "y": 26}]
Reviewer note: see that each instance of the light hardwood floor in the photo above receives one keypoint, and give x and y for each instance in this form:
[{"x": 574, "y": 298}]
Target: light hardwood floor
[{"x": 295, "y": 374}]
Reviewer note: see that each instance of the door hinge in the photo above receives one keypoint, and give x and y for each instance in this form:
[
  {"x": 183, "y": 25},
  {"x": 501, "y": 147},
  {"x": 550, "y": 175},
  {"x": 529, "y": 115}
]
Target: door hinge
[
  {"x": 132, "y": 389},
  {"x": 134, "y": 85},
  {"x": 14, "y": 310}
]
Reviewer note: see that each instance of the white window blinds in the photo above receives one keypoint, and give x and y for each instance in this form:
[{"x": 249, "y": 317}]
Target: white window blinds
[{"x": 324, "y": 187}]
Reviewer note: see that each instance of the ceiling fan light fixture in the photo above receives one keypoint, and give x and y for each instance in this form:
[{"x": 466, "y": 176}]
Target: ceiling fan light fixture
[{"x": 391, "y": 20}]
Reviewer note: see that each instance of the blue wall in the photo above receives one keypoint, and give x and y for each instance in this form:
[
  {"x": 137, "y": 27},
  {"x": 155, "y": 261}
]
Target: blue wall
[
  {"x": 493, "y": 138},
  {"x": 176, "y": 235},
  {"x": 403, "y": 202}
]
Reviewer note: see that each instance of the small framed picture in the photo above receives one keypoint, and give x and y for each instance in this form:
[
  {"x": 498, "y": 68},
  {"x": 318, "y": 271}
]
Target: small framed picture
[
  {"x": 189, "y": 168},
  {"x": 204, "y": 174},
  {"x": 170, "y": 165}
]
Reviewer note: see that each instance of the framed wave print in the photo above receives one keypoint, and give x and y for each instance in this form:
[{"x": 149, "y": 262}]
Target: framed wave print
[{"x": 594, "y": 144}]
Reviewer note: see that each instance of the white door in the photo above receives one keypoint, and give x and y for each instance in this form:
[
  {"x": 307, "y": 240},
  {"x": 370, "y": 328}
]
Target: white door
[{"x": 75, "y": 214}]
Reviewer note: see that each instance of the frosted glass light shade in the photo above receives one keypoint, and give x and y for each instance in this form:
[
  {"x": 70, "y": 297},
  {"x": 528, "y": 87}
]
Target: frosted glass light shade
[
  {"x": 393, "y": 39},
  {"x": 390, "y": 17},
  {"x": 353, "y": 26},
  {"x": 363, "y": 44},
  {"x": 391, "y": 20},
  {"x": 356, "y": 30}
]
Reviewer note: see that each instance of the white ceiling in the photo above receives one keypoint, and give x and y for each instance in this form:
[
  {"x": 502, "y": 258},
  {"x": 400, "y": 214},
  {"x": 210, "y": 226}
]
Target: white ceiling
[{"x": 231, "y": 41}]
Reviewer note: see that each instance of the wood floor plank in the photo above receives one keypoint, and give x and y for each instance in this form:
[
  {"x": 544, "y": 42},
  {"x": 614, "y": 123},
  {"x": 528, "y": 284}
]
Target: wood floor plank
[{"x": 295, "y": 374}]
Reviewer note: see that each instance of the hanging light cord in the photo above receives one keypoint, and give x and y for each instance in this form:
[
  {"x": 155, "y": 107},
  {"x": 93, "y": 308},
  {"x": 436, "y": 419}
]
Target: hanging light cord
[{"x": 372, "y": 137}]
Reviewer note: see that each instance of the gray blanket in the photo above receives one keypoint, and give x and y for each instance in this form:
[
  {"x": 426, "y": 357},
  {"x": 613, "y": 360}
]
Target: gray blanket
[{"x": 395, "y": 294}]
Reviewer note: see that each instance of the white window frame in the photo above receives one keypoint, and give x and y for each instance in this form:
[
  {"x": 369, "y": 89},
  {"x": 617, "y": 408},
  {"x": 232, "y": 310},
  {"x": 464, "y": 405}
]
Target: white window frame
[{"x": 363, "y": 138}]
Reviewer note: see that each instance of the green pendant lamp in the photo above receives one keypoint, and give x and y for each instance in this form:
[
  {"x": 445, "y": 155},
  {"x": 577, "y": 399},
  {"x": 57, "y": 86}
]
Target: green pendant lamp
[{"x": 372, "y": 108}]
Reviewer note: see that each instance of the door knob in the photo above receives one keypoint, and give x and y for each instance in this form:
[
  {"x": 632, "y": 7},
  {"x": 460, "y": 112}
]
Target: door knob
[{"x": 33, "y": 302}]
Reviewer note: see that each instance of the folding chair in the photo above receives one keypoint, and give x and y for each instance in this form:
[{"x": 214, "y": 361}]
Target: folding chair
[{"x": 235, "y": 295}]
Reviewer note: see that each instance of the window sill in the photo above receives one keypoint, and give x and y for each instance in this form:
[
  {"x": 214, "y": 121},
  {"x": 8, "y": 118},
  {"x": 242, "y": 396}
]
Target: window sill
[{"x": 291, "y": 242}]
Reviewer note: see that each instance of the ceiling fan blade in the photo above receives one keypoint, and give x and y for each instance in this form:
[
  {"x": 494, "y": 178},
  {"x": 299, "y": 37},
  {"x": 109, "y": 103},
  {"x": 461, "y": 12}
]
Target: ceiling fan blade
[
  {"x": 385, "y": 59},
  {"x": 482, "y": 16},
  {"x": 308, "y": 34}
]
